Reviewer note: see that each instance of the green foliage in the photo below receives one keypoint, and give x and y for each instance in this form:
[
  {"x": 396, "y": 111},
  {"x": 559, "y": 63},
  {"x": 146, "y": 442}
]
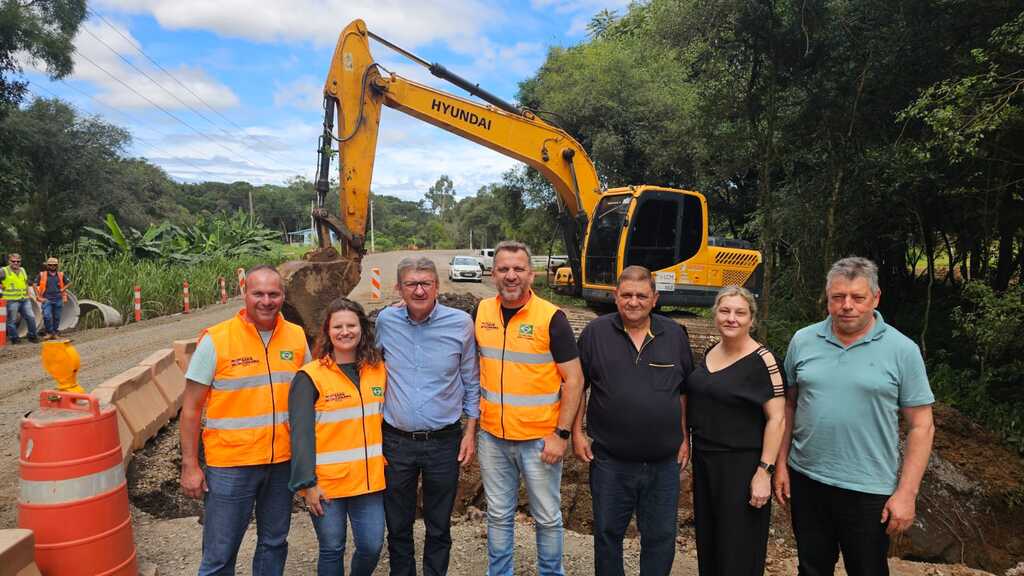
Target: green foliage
[
  {"x": 42, "y": 30},
  {"x": 111, "y": 279},
  {"x": 220, "y": 236}
]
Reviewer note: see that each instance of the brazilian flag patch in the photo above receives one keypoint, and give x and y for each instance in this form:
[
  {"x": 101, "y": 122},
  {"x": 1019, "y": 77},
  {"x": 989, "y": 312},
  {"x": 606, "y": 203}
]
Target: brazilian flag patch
[
  {"x": 526, "y": 330},
  {"x": 287, "y": 355},
  {"x": 377, "y": 391}
]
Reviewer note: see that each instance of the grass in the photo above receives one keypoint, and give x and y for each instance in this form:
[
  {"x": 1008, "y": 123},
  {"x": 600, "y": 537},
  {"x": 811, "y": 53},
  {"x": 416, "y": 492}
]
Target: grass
[{"x": 111, "y": 281}]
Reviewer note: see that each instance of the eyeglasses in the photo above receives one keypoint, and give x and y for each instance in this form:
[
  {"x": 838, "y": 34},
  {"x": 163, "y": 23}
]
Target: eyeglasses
[
  {"x": 425, "y": 284},
  {"x": 13, "y": 261}
]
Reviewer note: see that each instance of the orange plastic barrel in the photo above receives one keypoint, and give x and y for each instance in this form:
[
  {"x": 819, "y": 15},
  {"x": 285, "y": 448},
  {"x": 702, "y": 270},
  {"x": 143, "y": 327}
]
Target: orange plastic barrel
[{"x": 72, "y": 491}]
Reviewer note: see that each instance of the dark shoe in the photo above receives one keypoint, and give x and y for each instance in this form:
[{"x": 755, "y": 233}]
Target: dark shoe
[
  {"x": 15, "y": 341},
  {"x": 33, "y": 340}
]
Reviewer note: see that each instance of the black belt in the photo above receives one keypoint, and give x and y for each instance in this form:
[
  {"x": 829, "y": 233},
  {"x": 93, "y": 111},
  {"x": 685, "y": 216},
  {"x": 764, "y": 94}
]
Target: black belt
[{"x": 449, "y": 430}]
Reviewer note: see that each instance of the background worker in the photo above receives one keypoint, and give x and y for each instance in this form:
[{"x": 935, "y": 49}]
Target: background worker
[
  {"x": 52, "y": 293},
  {"x": 14, "y": 285},
  {"x": 851, "y": 377},
  {"x": 240, "y": 372},
  {"x": 530, "y": 382},
  {"x": 736, "y": 413},
  {"x": 335, "y": 413},
  {"x": 635, "y": 365},
  {"x": 433, "y": 381}
]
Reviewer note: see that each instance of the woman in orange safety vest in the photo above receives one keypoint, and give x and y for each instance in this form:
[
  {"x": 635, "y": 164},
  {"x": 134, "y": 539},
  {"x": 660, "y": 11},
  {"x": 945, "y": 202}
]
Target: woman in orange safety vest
[{"x": 335, "y": 416}]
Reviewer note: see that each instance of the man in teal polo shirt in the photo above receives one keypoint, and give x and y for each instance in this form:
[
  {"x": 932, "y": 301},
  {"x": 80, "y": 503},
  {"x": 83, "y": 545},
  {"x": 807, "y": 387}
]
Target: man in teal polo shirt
[{"x": 851, "y": 377}]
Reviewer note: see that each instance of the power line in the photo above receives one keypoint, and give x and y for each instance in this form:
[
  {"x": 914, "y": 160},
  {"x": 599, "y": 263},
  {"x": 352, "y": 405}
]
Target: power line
[
  {"x": 171, "y": 76},
  {"x": 151, "y": 143},
  {"x": 154, "y": 104}
]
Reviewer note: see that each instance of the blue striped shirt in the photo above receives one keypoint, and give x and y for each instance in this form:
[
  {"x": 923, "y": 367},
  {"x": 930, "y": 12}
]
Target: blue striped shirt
[{"x": 433, "y": 370}]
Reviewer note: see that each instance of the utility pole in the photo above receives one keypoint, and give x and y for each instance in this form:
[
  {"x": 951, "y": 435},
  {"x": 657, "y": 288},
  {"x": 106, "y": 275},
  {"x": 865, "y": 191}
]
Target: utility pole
[
  {"x": 470, "y": 238},
  {"x": 252, "y": 218}
]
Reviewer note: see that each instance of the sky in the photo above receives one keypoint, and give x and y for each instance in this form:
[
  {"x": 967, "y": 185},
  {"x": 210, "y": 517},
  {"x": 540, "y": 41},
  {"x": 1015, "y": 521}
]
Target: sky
[{"x": 231, "y": 90}]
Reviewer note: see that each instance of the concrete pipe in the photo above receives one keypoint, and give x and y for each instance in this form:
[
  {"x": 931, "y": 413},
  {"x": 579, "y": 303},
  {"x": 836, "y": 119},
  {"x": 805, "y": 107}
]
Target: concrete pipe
[
  {"x": 68, "y": 316},
  {"x": 111, "y": 317}
]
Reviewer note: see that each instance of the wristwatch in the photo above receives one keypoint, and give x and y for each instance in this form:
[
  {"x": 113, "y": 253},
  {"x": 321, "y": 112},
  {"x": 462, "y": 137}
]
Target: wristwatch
[
  {"x": 563, "y": 433},
  {"x": 769, "y": 468}
]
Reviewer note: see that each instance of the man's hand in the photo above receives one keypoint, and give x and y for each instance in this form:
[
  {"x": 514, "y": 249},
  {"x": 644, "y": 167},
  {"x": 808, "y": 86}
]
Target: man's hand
[
  {"x": 780, "y": 484},
  {"x": 683, "y": 456},
  {"x": 313, "y": 499},
  {"x": 467, "y": 449},
  {"x": 554, "y": 449},
  {"x": 193, "y": 481},
  {"x": 581, "y": 447},
  {"x": 899, "y": 512}
]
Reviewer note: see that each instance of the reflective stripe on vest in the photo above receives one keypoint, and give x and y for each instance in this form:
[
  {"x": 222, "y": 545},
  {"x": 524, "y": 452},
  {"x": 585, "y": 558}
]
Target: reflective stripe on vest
[
  {"x": 15, "y": 284},
  {"x": 520, "y": 386},
  {"x": 247, "y": 408},
  {"x": 41, "y": 287},
  {"x": 349, "y": 458}
]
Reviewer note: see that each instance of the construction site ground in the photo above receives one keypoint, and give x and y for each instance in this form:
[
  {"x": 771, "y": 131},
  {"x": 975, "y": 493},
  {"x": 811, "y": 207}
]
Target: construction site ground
[{"x": 167, "y": 529}]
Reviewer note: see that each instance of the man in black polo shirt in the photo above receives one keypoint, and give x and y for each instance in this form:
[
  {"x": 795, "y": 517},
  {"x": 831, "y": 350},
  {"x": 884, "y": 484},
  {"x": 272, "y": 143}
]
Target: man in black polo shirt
[{"x": 635, "y": 366}]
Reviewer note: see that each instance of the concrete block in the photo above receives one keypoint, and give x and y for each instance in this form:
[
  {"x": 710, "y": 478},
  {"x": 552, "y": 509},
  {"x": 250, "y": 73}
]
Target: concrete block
[
  {"x": 169, "y": 378},
  {"x": 124, "y": 431},
  {"x": 183, "y": 350},
  {"x": 18, "y": 553},
  {"x": 140, "y": 402}
]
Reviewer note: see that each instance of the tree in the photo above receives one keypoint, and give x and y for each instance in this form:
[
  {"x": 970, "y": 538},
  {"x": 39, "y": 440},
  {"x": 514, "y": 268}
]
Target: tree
[
  {"x": 41, "y": 29},
  {"x": 441, "y": 196}
]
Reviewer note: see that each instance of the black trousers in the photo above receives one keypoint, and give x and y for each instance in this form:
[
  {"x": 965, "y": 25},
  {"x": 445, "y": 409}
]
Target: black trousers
[
  {"x": 827, "y": 520},
  {"x": 433, "y": 461},
  {"x": 732, "y": 535}
]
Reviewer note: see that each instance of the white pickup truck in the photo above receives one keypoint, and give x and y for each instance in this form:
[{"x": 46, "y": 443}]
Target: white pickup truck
[{"x": 486, "y": 257}]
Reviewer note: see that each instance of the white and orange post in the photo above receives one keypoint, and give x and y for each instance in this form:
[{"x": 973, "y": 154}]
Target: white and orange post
[
  {"x": 223, "y": 292},
  {"x": 184, "y": 295},
  {"x": 138, "y": 303},
  {"x": 375, "y": 283},
  {"x": 241, "y": 280},
  {"x": 3, "y": 322}
]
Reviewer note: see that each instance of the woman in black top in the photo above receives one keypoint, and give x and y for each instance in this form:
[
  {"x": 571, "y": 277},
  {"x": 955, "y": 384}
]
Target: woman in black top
[{"x": 736, "y": 414}]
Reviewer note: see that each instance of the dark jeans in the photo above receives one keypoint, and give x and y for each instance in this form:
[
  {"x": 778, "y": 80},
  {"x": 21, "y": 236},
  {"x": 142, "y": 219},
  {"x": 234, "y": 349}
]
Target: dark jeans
[
  {"x": 435, "y": 461},
  {"x": 51, "y": 315},
  {"x": 20, "y": 309},
  {"x": 827, "y": 519},
  {"x": 366, "y": 513},
  {"x": 233, "y": 492},
  {"x": 618, "y": 489}
]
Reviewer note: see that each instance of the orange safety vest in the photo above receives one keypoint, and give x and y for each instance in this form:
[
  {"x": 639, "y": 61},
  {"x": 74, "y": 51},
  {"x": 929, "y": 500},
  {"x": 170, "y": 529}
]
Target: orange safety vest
[
  {"x": 41, "y": 288},
  {"x": 520, "y": 386},
  {"x": 349, "y": 461},
  {"x": 247, "y": 409}
]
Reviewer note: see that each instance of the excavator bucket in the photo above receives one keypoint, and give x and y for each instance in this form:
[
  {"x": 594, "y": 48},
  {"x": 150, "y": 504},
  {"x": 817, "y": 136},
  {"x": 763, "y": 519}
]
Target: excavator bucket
[{"x": 312, "y": 283}]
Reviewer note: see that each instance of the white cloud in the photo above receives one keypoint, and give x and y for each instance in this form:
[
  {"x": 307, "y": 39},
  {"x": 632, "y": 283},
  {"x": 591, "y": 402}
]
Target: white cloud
[
  {"x": 582, "y": 11},
  {"x": 319, "y": 21},
  {"x": 101, "y": 54},
  {"x": 303, "y": 93}
]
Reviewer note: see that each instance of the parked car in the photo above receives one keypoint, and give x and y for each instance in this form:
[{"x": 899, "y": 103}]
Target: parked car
[
  {"x": 465, "y": 268},
  {"x": 486, "y": 258}
]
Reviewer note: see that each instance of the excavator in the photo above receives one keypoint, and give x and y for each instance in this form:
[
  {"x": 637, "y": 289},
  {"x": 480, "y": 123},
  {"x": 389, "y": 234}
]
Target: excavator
[{"x": 604, "y": 230}]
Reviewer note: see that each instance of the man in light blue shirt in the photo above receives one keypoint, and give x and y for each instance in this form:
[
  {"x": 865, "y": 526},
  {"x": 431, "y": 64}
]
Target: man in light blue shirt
[
  {"x": 851, "y": 377},
  {"x": 433, "y": 381}
]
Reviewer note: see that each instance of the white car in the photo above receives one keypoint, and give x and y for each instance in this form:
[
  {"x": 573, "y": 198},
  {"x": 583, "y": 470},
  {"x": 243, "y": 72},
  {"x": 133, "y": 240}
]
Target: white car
[{"x": 465, "y": 268}]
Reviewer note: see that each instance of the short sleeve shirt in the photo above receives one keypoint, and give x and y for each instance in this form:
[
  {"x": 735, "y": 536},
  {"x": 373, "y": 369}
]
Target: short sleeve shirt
[{"x": 846, "y": 425}]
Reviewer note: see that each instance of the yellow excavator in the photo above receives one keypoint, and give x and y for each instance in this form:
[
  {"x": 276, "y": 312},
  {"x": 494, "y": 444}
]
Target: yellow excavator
[{"x": 604, "y": 230}]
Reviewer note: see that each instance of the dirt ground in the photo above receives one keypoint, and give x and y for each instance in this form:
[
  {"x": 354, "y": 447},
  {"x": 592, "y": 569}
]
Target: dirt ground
[{"x": 173, "y": 544}]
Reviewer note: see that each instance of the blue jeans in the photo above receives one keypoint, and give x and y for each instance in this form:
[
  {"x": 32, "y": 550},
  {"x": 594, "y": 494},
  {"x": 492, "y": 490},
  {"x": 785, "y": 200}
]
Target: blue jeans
[
  {"x": 233, "y": 491},
  {"x": 619, "y": 488},
  {"x": 51, "y": 315},
  {"x": 435, "y": 461},
  {"x": 366, "y": 513},
  {"x": 502, "y": 462},
  {"x": 22, "y": 307}
]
